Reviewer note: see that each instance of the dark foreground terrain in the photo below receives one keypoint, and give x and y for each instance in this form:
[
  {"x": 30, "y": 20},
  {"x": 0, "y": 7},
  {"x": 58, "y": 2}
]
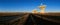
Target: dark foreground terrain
[{"x": 30, "y": 19}]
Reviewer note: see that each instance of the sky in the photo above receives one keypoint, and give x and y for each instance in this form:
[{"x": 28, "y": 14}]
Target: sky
[{"x": 28, "y": 5}]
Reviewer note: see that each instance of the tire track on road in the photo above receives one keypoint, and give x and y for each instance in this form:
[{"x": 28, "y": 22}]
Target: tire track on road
[
  {"x": 18, "y": 20},
  {"x": 48, "y": 19}
]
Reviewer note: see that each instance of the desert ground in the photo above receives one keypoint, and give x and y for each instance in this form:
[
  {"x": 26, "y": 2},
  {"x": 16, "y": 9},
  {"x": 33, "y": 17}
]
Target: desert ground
[{"x": 20, "y": 18}]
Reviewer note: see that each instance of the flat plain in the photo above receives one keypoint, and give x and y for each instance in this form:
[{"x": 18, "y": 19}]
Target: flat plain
[{"x": 20, "y": 18}]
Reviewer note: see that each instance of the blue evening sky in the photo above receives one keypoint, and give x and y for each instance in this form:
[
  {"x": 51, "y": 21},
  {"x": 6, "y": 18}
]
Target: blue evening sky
[{"x": 28, "y": 5}]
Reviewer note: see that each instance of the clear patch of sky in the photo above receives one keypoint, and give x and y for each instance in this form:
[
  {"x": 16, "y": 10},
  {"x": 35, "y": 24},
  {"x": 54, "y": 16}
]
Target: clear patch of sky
[{"x": 28, "y": 5}]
